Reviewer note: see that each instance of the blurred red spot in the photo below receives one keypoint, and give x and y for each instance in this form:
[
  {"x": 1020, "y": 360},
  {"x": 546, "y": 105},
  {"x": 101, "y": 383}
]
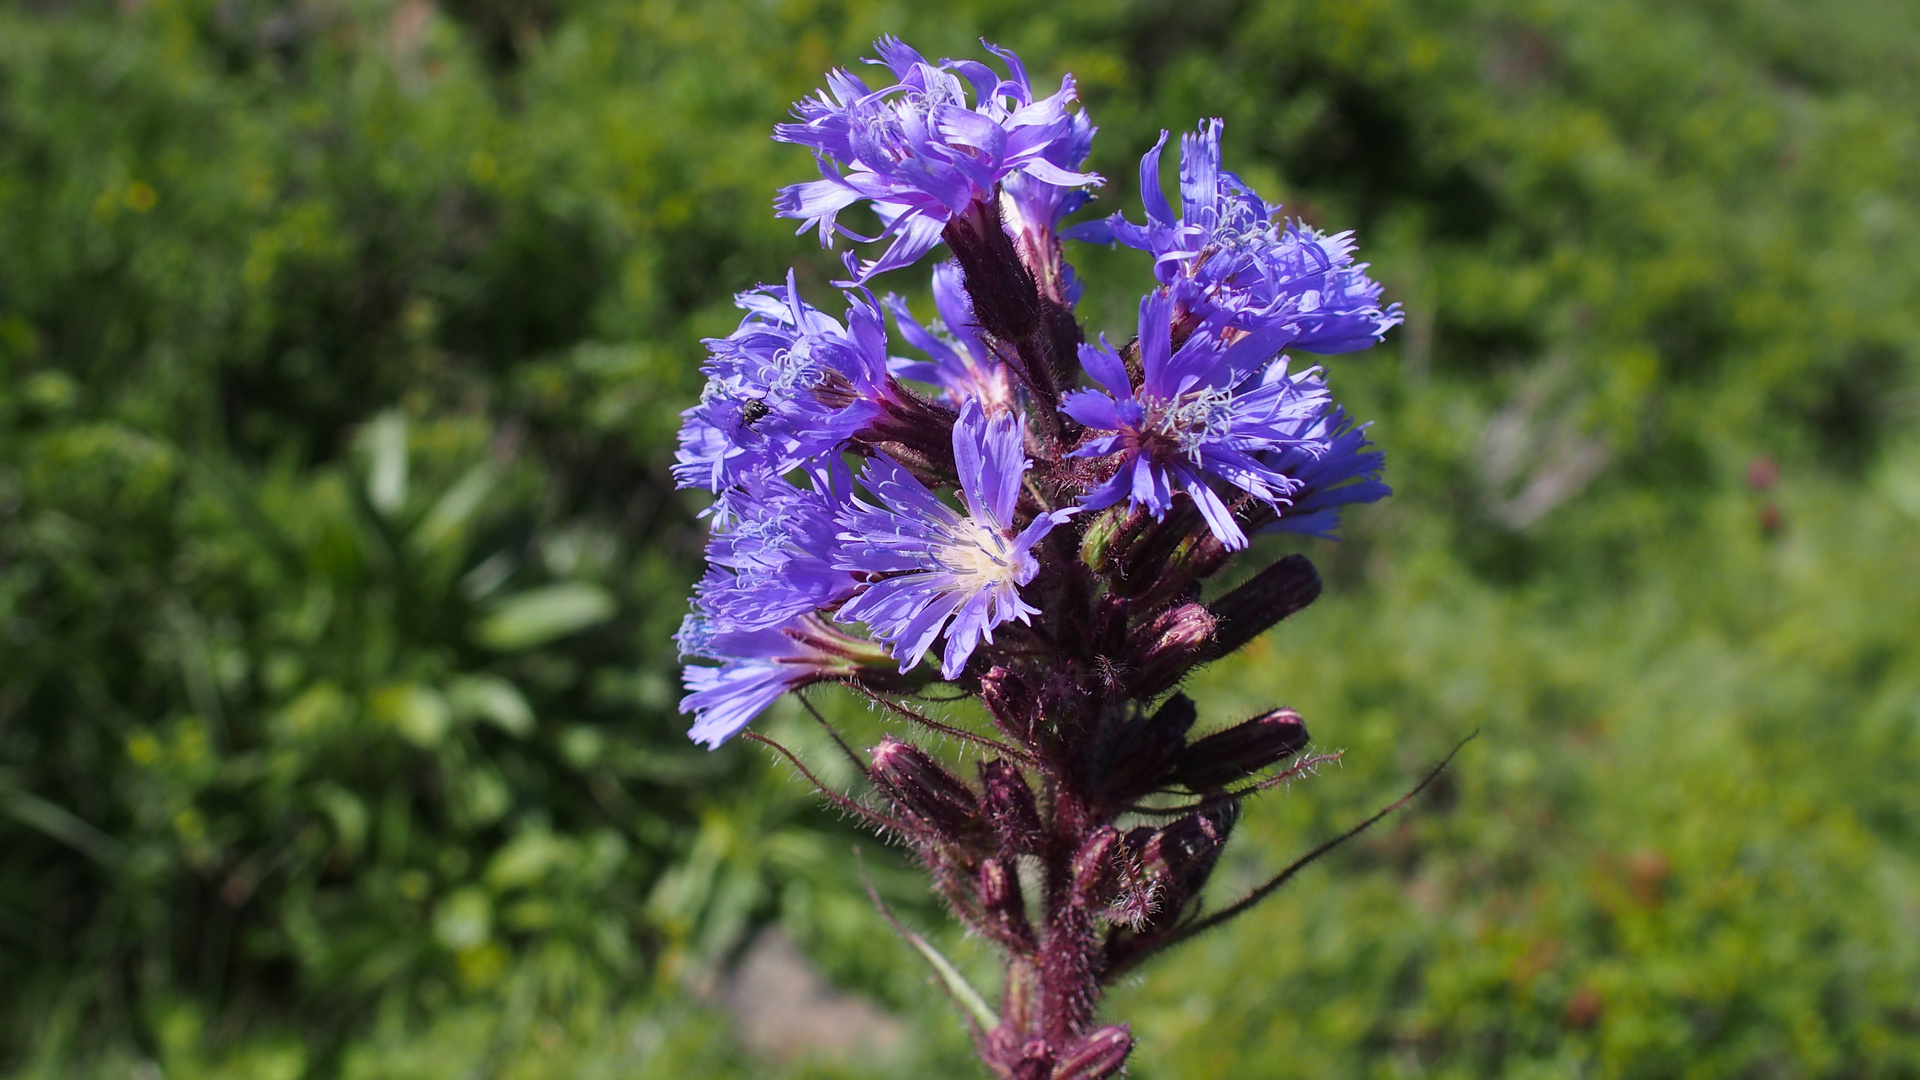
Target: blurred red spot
[
  {"x": 1762, "y": 473},
  {"x": 1584, "y": 1008}
]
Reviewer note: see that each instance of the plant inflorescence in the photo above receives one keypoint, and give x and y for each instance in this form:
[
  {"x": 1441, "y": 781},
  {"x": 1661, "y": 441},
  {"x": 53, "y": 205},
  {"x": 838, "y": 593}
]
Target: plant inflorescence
[{"x": 1035, "y": 513}]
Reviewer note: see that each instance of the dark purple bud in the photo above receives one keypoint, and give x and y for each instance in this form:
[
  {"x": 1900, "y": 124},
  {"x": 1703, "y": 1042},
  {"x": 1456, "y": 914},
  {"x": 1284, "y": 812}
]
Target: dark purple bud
[
  {"x": 923, "y": 790},
  {"x": 1269, "y": 596},
  {"x": 1164, "y": 650},
  {"x": 1241, "y": 750},
  {"x": 1096, "y": 865},
  {"x": 1009, "y": 806},
  {"x": 1062, "y": 701},
  {"x": 1149, "y": 564},
  {"x": 1146, "y": 750},
  {"x": 1184, "y": 853},
  {"x": 915, "y": 432},
  {"x": 1097, "y": 1056},
  {"x": 1177, "y": 715},
  {"x": 1012, "y": 702},
  {"x": 1003, "y": 903},
  {"x": 1006, "y": 300},
  {"x": 1109, "y": 637}
]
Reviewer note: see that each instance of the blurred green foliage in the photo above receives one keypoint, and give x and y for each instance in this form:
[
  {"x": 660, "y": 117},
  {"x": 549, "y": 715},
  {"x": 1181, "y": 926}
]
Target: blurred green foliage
[{"x": 341, "y": 343}]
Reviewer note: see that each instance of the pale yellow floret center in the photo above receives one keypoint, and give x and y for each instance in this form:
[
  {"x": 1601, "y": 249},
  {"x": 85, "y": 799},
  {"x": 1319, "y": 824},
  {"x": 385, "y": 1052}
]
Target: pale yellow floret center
[{"x": 978, "y": 551}]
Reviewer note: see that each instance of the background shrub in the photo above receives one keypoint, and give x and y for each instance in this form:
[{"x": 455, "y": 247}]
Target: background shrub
[{"x": 341, "y": 346}]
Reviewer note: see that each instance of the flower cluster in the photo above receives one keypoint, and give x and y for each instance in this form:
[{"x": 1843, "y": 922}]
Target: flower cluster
[
  {"x": 1228, "y": 262},
  {"x": 920, "y": 154},
  {"x": 1034, "y": 512}
]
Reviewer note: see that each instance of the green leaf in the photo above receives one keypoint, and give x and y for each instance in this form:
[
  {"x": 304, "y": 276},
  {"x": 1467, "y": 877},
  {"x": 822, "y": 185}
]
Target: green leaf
[
  {"x": 420, "y": 714},
  {"x": 449, "y": 514},
  {"x": 526, "y": 859},
  {"x": 464, "y": 919},
  {"x": 385, "y": 437},
  {"x": 956, "y": 983},
  {"x": 493, "y": 699},
  {"x": 59, "y": 823},
  {"x": 534, "y": 618}
]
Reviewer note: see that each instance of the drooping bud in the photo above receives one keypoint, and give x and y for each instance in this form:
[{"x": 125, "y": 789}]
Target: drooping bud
[
  {"x": 1095, "y": 865},
  {"x": 923, "y": 790},
  {"x": 1146, "y": 750},
  {"x": 1097, "y": 1056},
  {"x": 1241, "y": 750},
  {"x": 1010, "y": 808},
  {"x": 1185, "y": 852},
  {"x": 1266, "y": 598},
  {"x": 1002, "y": 902},
  {"x": 1164, "y": 650}
]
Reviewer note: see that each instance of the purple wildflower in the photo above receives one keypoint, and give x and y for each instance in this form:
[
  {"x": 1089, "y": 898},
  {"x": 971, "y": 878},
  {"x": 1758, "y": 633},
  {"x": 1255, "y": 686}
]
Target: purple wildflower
[
  {"x": 757, "y": 666},
  {"x": 1228, "y": 262},
  {"x": 789, "y": 385},
  {"x": 1031, "y": 208},
  {"x": 963, "y": 364},
  {"x": 1333, "y": 466},
  {"x": 773, "y": 559},
  {"x": 921, "y": 154},
  {"x": 937, "y": 565},
  {"x": 1206, "y": 411}
]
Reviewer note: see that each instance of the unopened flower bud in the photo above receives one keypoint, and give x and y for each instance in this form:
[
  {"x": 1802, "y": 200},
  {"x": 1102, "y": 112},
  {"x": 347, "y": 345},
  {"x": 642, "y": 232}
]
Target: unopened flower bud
[
  {"x": 1146, "y": 750},
  {"x": 1109, "y": 634},
  {"x": 1010, "y": 808},
  {"x": 1266, "y": 598},
  {"x": 1241, "y": 750},
  {"x": 924, "y": 790},
  {"x": 1166, "y": 648},
  {"x": 1000, "y": 898},
  {"x": 1097, "y": 1056},
  {"x": 1110, "y": 534},
  {"x": 1011, "y": 701},
  {"x": 916, "y": 433},
  {"x": 1095, "y": 866},
  {"x": 1183, "y": 854},
  {"x": 1148, "y": 565},
  {"x": 1006, "y": 300}
]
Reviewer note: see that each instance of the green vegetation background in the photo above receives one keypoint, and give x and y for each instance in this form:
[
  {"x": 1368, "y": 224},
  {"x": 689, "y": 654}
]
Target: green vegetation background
[{"x": 341, "y": 346}]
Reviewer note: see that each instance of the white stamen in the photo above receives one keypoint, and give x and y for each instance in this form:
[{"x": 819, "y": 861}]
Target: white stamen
[
  {"x": 978, "y": 551},
  {"x": 1193, "y": 418}
]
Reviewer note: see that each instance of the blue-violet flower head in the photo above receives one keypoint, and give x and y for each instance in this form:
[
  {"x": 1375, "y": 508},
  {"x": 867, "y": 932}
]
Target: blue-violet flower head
[
  {"x": 939, "y": 568},
  {"x": 920, "y": 153},
  {"x": 788, "y": 386},
  {"x": 1229, "y": 262},
  {"x": 1206, "y": 411},
  {"x": 773, "y": 559},
  {"x": 1332, "y": 466},
  {"x": 756, "y": 667}
]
